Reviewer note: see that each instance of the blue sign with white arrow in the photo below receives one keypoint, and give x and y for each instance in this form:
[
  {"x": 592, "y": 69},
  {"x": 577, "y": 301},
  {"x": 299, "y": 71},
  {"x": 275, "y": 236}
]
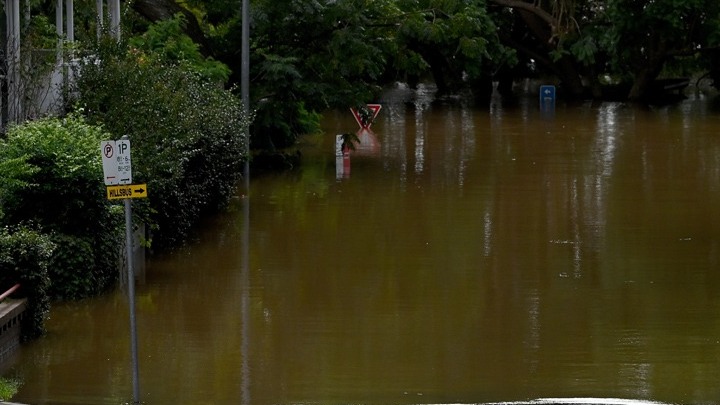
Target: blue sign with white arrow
[{"x": 547, "y": 96}]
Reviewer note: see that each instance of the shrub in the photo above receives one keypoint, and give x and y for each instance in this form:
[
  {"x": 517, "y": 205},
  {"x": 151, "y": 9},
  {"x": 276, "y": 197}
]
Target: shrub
[
  {"x": 61, "y": 188},
  {"x": 25, "y": 256},
  {"x": 8, "y": 388},
  {"x": 187, "y": 134},
  {"x": 14, "y": 176},
  {"x": 55, "y": 182},
  {"x": 73, "y": 271}
]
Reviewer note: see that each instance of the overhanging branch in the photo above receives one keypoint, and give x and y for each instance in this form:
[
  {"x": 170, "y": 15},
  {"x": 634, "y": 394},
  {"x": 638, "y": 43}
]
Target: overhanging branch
[{"x": 530, "y": 7}]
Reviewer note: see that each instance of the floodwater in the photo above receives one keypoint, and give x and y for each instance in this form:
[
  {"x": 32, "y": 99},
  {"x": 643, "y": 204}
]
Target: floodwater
[{"x": 465, "y": 255}]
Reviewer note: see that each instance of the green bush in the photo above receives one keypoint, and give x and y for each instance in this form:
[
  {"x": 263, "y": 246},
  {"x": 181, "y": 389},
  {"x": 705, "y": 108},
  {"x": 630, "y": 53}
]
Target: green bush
[
  {"x": 187, "y": 134},
  {"x": 55, "y": 182},
  {"x": 61, "y": 188},
  {"x": 73, "y": 271},
  {"x": 8, "y": 388},
  {"x": 14, "y": 176},
  {"x": 25, "y": 256}
]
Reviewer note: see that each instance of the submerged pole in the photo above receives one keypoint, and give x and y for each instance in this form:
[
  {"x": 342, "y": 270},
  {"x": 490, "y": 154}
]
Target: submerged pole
[{"x": 131, "y": 301}]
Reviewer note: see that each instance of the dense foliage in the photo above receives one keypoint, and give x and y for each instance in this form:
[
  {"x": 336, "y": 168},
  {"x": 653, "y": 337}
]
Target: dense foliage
[
  {"x": 25, "y": 258},
  {"x": 59, "y": 182},
  {"x": 187, "y": 132},
  {"x": 164, "y": 42},
  {"x": 54, "y": 182},
  {"x": 308, "y": 55},
  {"x": 646, "y": 39},
  {"x": 341, "y": 53}
]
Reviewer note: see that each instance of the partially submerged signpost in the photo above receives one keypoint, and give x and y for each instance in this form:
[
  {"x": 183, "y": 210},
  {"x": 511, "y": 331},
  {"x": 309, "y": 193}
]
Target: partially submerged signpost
[
  {"x": 117, "y": 170},
  {"x": 547, "y": 98},
  {"x": 366, "y": 115}
]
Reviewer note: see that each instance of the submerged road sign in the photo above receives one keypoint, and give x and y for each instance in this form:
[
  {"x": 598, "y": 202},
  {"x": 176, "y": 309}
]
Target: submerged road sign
[
  {"x": 547, "y": 97},
  {"x": 127, "y": 191},
  {"x": 363, "y": 120}
]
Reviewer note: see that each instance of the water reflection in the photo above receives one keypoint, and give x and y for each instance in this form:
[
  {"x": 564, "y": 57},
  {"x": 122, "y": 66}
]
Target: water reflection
[
  {"x": 368, "y": 144},
  {"x": 245, "y": 288},
  {"x": 419, "y": 150}
]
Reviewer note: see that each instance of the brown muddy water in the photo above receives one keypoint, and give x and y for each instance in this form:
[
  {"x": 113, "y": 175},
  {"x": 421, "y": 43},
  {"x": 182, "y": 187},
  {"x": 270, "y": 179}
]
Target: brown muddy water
[{"x": 470, "y": 255}]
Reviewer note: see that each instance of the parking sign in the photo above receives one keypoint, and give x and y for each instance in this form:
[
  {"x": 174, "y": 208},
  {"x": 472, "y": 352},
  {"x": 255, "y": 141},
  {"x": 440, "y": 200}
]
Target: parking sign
[{"x": 117, "y": 165}]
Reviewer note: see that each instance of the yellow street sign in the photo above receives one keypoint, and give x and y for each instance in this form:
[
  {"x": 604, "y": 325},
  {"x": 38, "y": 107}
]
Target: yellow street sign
[{"x": 127, "y": 191}]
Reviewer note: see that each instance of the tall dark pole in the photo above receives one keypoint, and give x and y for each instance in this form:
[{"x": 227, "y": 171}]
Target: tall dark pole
[
  {"x": 245, "y": 276},
  {"x": 245, "y": 81}
]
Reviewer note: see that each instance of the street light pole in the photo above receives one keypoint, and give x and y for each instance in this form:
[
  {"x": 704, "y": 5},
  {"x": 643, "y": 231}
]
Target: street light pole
[
  {"x": 245, "y": 83},
  {"x": 245, "y": 271}
]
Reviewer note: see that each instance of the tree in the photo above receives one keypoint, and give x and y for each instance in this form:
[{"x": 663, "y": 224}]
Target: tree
[
  {"x": 457, "y": 40},
  {"x": 632, "y": 42},
  {"x": 166, "y": 42},
  {"x": 648, "y": 35},
  {"x": 160, "y": 10},
  {"x": 309, "y": 55},
  {"x": 544, "y": 33}
]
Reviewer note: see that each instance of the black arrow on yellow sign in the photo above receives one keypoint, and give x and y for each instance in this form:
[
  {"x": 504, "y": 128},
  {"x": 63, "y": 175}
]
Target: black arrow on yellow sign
[{"x": 127, "y": 191}]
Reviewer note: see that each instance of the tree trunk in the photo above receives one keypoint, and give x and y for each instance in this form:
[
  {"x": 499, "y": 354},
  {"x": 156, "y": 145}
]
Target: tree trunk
[
  {"x": 444, "y": 77},
  {"x": 570, "y": 78},
  {"x": 642, "y": 84}
]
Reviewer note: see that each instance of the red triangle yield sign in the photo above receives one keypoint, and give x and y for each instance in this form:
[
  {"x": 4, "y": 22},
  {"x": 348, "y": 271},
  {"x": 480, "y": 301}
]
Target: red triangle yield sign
[{"x": 374, "y": 108}]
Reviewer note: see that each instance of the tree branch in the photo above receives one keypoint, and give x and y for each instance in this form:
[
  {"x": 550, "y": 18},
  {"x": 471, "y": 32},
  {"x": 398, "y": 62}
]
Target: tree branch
[
  {"x": 692, "y": 51},
  {"x": 530, "y": 7}
]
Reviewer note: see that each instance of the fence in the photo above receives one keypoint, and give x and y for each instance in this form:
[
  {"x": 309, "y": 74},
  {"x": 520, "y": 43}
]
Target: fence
[{"x": 11, "y": 314}]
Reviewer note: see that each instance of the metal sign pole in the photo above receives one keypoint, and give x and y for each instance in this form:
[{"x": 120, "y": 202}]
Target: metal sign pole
[
  {"x": 131, "y": 300},
  {"x": 245, "y": 301},
  {"x": 117, "y": 172}
]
